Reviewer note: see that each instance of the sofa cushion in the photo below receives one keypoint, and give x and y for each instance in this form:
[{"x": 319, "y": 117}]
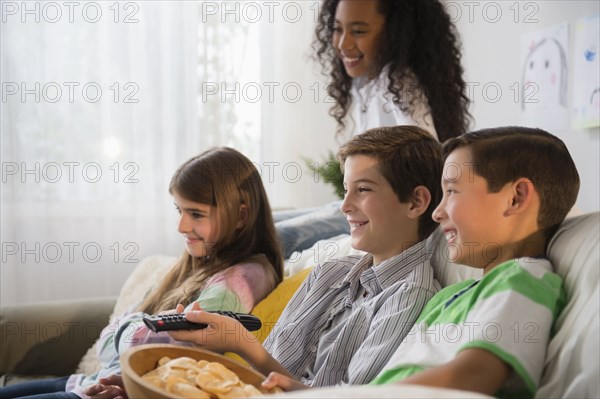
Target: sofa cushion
[
  {"x": 572, "y": 363},
  {"x": 445, "y": 271},
  {"x": 269, "y": 309}
]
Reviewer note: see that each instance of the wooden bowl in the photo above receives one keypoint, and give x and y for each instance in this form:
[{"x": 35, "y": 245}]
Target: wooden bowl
[{"x": 139, "y": 360}]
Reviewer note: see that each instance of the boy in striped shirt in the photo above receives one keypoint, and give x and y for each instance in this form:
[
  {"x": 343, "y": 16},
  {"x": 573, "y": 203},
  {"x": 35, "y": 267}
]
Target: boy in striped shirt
[{"x": 505, "y": 191}]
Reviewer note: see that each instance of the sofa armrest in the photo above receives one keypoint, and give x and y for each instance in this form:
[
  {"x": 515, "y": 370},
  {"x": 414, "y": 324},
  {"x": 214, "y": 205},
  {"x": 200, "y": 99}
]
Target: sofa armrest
[{"x": 50, "y": 338}]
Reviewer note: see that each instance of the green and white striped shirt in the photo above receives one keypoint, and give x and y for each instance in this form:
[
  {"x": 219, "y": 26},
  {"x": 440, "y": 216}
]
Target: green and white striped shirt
[{"x": 509, "y": 312}]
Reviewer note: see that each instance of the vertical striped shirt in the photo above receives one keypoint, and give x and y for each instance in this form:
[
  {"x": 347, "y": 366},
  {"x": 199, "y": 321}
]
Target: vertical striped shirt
[{"x": 348, "y": 317}]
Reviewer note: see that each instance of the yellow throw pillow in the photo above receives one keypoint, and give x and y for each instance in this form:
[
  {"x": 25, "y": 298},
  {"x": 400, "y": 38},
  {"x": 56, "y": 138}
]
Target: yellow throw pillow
[{"x": 269, "y": 309}]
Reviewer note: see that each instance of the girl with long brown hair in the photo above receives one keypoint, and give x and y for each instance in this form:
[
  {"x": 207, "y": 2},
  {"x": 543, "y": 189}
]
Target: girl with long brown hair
[{"x": 232, "y": 260}]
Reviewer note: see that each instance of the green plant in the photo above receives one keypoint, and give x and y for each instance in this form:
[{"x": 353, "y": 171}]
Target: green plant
[{"x": 329, "y": 171}]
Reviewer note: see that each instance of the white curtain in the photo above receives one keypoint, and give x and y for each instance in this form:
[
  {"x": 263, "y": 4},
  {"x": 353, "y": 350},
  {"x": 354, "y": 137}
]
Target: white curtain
[{"x": 101, "y": 101}]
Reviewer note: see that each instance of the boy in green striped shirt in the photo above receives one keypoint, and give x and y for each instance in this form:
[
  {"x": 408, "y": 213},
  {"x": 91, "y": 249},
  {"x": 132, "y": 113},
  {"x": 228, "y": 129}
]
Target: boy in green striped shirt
[{"x": 506, "y": 190}]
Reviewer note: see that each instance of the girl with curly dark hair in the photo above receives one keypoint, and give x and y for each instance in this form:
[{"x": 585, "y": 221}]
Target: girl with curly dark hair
[{"x": 394, "y": 62}]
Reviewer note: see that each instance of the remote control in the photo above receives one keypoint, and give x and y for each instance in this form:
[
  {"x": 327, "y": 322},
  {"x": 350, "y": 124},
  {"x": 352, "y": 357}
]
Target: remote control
[{"x": 179, "y": 322}]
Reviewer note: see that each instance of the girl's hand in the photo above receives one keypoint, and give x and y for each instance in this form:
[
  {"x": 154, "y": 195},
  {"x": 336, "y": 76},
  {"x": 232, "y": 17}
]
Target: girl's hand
[
  {"x": 223, "y": 333},
  {"x": 195, "y": 306},
  {"x": 108, "y": 388},
  {"x": 178, "y": 309},
  {"x": 286, "y": 383}
]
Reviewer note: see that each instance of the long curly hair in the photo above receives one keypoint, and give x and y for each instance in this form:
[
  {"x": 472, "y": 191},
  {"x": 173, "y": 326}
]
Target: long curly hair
[{"x": 418, "y": 40}]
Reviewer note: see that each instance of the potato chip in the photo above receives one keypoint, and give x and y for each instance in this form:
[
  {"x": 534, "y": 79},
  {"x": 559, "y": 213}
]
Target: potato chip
[
  {"x": 167, "y": 372},
  {"x": 222, "y": 372},
  {"x": 251, "y": 391},
  {"x": 210, "y": 382},
  {"x": 172, "y": 380},
  {"x": 190, "y": 375},
  {"x": 182, "y": 363},
  {"x": 153, "y": 373},
  {"x": 155, "y": 381},
  {"x": 181, "y": 387},
  {"x": 164, "y": 360}
]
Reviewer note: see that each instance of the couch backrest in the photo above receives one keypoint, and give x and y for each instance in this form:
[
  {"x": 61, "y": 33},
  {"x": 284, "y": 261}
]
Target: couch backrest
[
  {"x": 144, "y": 277},
  {"x": 572, "y": 368},
  {"x": 445, "y": 271}
]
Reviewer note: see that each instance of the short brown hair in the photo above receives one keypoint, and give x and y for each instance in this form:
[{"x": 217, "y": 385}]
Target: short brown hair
[
  {"x": 408, "y": 157},
  {"x": 503, "y": 155}
]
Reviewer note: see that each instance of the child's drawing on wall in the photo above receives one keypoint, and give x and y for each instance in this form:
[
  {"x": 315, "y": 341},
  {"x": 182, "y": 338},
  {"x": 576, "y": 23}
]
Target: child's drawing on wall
[
  {"x": 544, "y": 78},
  {"x": 586, "y": 77},
  {"x": 545, "y": 75}
]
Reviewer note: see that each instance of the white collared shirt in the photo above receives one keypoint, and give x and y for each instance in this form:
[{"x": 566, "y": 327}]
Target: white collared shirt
[{"x": 373, "y": 106}]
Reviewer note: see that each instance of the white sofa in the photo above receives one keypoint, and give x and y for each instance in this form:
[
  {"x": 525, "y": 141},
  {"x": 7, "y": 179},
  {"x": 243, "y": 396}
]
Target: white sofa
[{"x": 572, "y": 366}]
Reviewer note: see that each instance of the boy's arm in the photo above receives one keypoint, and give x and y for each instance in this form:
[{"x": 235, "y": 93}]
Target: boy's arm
[
  {"x": 262, "y": 360},
  {"x": 472, "y": 369},
  {"x": 287, "y": 384}
]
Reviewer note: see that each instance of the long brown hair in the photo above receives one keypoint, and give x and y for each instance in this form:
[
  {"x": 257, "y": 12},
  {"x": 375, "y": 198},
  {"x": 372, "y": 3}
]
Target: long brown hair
[{"x": 225, "y": 179}]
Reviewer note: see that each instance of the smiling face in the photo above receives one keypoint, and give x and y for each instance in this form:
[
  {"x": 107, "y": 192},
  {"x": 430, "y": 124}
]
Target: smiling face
[
  {"x": 472, "y": 218},
  {"x": 543, "y": 74},
  {"x": 356, "y": 31},
  {"x": 198, "y": 223},
  {"x": 379, "y": 222}
]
